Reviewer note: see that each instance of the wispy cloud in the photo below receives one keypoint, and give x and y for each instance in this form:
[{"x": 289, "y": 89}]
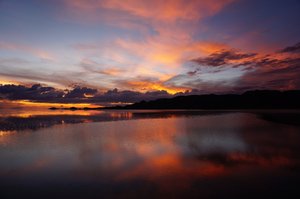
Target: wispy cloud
[
  {"x": 292, "y": 49},
  {"x": 161, "y": 51},
  {"x": 156, "y": 10},
  {"x": 145, "y": 46},
  {"x": 223, "y": 57},
  {"x": 42, "y": 54},
  {"x": 235, "y": 71}
]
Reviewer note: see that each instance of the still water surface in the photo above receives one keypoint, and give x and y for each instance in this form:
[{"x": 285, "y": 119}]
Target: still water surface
[{"x": 150, "y": 154}]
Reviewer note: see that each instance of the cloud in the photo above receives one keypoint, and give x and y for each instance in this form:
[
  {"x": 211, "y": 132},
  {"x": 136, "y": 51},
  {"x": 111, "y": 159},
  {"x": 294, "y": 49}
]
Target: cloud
[
  {"x": 291, "y": 49},
  {"x": 270, "y": 73},
  {"x": 129, "y": 39},
  {"x": 36, "y": 92},
  {"x": 103, "y": 69},
  {"x": 80, "y": 92},
  {"x": 142, "y": 65},
  {"x": 150, "y": 84},
  {"x": 142, "y": 45},
  {"x": 30, "y": 72},
  {"x": 164, "y": 43},
  {"x": 229, "y": 71},
  {"x": 130, "y": 96},
  {"x": 33, "y": 76},
  {"x": 156, "y": 10},
  {"x": 42, "y": 54},
  {"x": 222, "y": 58},
  {"x": 238, "y": 72},
  {"x": 39, "y": 93}
]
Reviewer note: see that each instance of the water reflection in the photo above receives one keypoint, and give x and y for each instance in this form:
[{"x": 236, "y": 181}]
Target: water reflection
[
  {"x": 36, "y": 119},
  {"x": 27, "y": 119},
  {"x": 192, "y": 156}
]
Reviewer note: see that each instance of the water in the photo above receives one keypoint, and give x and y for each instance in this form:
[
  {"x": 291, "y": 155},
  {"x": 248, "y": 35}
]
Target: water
[{"x": 150, "y": 154}]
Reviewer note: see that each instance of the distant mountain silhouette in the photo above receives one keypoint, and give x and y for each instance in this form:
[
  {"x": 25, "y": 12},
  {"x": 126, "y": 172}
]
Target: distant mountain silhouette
[{"x": 257, "y": 99}]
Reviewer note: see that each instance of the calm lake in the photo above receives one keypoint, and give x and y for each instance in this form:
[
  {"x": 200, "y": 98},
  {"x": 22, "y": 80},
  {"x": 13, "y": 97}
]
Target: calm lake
[{"x": 149, "y": 154}]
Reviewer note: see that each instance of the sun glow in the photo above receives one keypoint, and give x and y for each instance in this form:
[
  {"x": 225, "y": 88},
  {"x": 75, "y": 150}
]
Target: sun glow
[
  {"x": 65, "y": 105},
  {"x": 143, "y": 85},
  {"x": 4, "y": 82}
]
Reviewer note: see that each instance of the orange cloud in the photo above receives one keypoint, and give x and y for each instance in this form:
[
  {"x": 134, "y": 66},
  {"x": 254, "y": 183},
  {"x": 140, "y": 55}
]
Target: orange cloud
[
  {"x": 7, "y": 82},
  {"x": 162, "y": 59},
  {"x": 157, "y": 57},
  {"x": 167, "y": 10},
  {"x": 167, "y": 28},
  {"x": 150, "y": 86},
  {"x": 27, "y": 103}
]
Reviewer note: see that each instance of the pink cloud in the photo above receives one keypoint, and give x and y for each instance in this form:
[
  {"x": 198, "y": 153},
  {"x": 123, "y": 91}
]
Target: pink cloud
[
  {"x": 42, "y": 54},
  {"x": 157, "y": 10}
]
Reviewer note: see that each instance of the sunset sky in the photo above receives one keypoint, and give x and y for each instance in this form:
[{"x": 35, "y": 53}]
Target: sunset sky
[{"x": 123, "y": 51}]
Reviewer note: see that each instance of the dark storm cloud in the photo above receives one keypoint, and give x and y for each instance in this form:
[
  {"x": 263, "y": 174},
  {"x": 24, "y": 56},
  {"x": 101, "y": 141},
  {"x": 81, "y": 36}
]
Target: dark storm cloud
[
  {"x": 39, "y": 93},
  {"x": 36, "y": 92},
  {"x": 80, "y": 92},
  {"x": 222, "y": 58},
  {"x": 292, "y": 49}
]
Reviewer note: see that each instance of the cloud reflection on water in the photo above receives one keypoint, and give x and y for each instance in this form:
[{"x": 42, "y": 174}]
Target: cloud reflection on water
[{"x": 165, "y": 157}]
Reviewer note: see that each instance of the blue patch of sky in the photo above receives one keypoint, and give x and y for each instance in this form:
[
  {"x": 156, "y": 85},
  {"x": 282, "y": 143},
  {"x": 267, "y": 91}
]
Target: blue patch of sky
[{"x": 276, "y": 21}]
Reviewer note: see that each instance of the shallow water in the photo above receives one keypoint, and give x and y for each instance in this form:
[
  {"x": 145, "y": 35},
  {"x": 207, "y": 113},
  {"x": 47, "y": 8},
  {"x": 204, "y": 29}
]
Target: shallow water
[{"x": 150, "y": 154}]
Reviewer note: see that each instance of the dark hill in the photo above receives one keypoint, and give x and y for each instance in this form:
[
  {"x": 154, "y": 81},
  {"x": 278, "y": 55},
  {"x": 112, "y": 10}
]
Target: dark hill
[{"x": 258, "y": 99}]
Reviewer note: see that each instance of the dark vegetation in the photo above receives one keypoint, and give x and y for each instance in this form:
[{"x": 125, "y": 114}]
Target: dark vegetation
[{"x": 259, "y": 99}]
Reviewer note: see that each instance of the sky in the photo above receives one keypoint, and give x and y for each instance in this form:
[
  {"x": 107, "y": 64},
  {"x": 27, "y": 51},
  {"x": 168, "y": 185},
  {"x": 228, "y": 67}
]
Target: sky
[{"x": 113, "y": 51}]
